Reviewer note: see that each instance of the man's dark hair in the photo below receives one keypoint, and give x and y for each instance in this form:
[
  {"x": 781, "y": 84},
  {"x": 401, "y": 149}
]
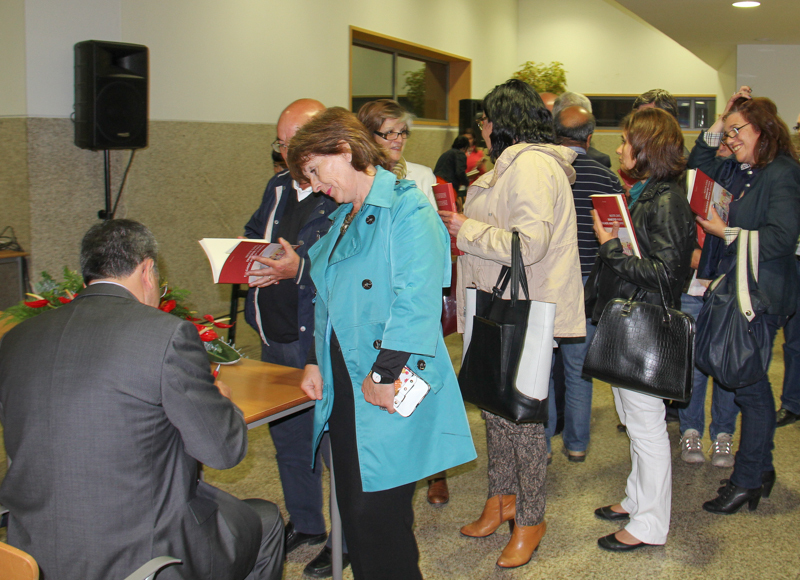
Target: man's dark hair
[
  {"x": 460, "y": 142},
  {"x": 579, "y": 133},
  {"x": 114, "y": 249},
  {"x": 518, "y": 115},
  {"x": 660, "y": 98}
]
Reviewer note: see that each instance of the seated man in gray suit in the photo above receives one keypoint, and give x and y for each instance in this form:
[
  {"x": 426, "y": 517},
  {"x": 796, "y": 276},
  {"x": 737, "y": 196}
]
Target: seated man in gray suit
[{"x": 107, "y": 405}]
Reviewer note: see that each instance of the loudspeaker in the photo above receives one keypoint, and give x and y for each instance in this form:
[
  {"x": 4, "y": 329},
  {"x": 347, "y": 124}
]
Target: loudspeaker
[
  {"x": 110, "y": 95},
  {"x": 12, "y": 278},
  {"x": 468, "y": 110}
]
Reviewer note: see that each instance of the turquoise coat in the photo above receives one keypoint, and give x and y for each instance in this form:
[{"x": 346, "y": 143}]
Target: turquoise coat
[{"x": 382, "y": 287}]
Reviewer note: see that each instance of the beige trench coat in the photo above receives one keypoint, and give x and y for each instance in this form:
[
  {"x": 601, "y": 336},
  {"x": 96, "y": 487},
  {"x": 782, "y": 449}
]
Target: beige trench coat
[{"x": 528, "y": 191}]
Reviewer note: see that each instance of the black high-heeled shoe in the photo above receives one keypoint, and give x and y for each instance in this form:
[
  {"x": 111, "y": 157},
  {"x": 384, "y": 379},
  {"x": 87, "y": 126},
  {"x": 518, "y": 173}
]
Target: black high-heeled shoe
[
  {"x": 767, "y": 483},
  {"x": 731, "y": 499}
]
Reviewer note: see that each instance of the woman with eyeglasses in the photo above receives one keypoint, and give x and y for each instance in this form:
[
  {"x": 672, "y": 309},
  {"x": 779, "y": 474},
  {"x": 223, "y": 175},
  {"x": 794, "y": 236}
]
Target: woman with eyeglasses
[
  {"x": 529, "y": 192},
  {"x": 764, "y": 177},
  {"x": 390, "y": 125}
]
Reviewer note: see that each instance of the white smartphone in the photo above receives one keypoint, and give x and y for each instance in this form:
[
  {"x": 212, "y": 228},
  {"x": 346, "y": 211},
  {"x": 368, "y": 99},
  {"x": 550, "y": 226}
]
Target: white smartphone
[{"x": 409, "y": 391}]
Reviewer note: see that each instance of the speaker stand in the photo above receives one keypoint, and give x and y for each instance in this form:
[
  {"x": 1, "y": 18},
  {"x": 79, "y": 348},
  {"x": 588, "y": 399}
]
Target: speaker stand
[{"x": 106, "y": 214}]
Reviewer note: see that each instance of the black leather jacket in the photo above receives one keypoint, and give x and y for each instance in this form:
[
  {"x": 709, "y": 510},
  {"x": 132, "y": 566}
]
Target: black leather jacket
[{"x": 665, "y": 229}]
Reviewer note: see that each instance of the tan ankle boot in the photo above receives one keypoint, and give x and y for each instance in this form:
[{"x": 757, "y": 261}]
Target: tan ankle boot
[
  {"x": 498, "y": 509},
  {"x": 524, "y": 541}
]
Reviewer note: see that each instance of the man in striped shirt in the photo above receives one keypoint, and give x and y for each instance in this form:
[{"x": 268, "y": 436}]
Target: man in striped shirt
[{"x": 574, "y": 127}]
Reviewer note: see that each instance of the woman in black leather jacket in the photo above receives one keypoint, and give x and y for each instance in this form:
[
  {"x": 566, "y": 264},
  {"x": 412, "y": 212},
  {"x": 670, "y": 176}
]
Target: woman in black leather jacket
[{"x": 651, "y": 151}]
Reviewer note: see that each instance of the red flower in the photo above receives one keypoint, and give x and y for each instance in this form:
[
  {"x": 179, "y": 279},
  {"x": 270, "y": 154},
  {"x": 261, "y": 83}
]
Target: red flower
[
  {"x": 208, "y": 317},
  {"x": 168, "y": 306},
  {"x": 37, "y": 303},
  {"x": 64, "y": 300},
  {"x": 192, "y": 319},
  {"x": 222, "y": 325},
  {"x": 208, "y": 336}
]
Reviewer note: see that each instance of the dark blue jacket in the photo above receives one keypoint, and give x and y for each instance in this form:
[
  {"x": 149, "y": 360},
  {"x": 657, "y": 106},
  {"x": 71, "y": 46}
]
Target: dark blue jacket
[
  {"x": 771, "y": 207},
  {"x": 316, "y": 226}
]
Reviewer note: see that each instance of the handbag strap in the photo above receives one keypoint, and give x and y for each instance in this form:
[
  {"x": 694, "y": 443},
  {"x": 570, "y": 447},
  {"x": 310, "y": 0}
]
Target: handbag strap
[
  {"x": 639, "y": 293},
  {"x": 746, "y": 251},
  {"x": 514, "y": 274}
]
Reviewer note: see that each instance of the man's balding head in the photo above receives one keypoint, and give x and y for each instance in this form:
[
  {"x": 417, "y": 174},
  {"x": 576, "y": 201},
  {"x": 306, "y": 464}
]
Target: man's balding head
[
  {"x": 574, "y": 126},
  {"x": 295, "y": 116},
  {"x": 548, "y": 99}
]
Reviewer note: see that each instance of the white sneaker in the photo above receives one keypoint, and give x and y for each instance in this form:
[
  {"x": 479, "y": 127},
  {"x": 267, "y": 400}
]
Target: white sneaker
[
  {"x": 721, "y": 454},
  {"x": 692, "y": 447}
]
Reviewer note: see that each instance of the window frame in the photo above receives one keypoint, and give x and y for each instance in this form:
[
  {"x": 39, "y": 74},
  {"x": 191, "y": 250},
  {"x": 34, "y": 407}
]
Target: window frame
[{"x": 459, "y": 69}]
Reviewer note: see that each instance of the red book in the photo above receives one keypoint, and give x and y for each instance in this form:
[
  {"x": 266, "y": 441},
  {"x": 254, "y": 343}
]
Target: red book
[
  {"x": 230, "y": 258},
  {"x": 446, "y": 201},
  {"x": 612, "y": 208},
  {"x": 705, "y": 193}
]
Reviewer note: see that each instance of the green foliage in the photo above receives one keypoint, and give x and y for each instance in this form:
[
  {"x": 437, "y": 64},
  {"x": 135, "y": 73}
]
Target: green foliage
[
  {"x": 543, "y": 78},
  {"x": 415, "y": 90},
  {"x": 48, "y": 294}
]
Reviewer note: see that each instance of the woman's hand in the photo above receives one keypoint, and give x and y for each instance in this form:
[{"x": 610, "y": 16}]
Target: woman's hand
[
  {"x": 603, "y": 235},
  {"x": 311, "y": 383},
  {"x": 452, "y": 221},
  {"x": 274, "y": 271},
  {"x": 719, "y": 124},
  {"x": 378, "y": 394},
  {"x": 715, "y": 226}
]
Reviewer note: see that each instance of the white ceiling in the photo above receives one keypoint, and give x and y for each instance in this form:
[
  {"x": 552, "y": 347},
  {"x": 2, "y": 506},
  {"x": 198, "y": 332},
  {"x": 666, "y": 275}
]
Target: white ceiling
[{"x": 712, "y": 29}]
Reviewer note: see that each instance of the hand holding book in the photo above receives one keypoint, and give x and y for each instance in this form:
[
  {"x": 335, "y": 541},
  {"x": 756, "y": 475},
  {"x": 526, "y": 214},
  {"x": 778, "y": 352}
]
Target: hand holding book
[
  {"x": 273, "y": 271},
  {"x": 604, "y": 235},
  {"x": 714, "y": 226}
]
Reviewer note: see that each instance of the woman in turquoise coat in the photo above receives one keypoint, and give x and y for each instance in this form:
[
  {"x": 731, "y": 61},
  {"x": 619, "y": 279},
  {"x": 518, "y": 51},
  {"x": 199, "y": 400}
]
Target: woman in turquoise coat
[{"x": 379, "y": 275}]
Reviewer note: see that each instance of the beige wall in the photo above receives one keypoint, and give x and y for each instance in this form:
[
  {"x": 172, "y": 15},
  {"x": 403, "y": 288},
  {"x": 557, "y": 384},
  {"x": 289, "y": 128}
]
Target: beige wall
[
  {"x": 12, "y": 58},
  {"x": 606, "y": 49},
  {"x": 14, "y": 190},
  {"x": 773, "y": 71}
]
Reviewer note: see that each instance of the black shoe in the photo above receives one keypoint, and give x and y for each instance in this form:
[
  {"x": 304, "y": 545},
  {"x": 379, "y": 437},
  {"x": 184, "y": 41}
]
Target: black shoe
[
  {"x": 785, "y": 417},
  {"x": 767, "y": 483},
  {"x": 612, "y": 544},
  {"x": 322, "y": 565},
  {"x": 731, "y": 498},
  {"x": 295, "y": 539},
  {"x": 606, "y": 513}
]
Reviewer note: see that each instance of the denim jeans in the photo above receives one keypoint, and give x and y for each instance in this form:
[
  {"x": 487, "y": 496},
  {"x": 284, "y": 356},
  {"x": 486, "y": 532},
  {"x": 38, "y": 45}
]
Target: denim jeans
[
  {"x": 758, "y": 424},
  {"x": 790, "y": 399},
  {"x": 577, "y": 396},
  {"x": 723, "y": 408}
]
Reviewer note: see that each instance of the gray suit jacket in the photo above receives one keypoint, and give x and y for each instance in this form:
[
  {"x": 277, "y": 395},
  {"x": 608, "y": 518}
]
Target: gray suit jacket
[{"x": 107, "y": 405}]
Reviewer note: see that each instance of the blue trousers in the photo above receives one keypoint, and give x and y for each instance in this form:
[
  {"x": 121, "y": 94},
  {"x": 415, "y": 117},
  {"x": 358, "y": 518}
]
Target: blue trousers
[
  {"x": 723, "y": 408},
  {"x": 758, "y": 424},
  {"x": 790, "y": 399},
  {"x": 292, "y": 437}
]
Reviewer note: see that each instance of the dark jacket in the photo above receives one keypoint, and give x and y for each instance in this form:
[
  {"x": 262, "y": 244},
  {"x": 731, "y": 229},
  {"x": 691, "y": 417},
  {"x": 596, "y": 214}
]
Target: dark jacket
[
  {"x": 452, "y": 167},
  {"x": 599, "y": 156},
  {"x": 316, "y": 226},
  {"x": 665, "y": 230},
  {"x": 772, "y": 207}
]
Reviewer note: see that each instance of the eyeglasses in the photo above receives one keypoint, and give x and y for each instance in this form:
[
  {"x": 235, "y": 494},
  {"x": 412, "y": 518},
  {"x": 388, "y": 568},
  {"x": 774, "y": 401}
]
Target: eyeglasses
[
  {"x": 165, "y": 290},
  {"x": 277, "y": 145},
  {"x": 734, "y": 132},
  {"x": 796, "y": 128},
  {"x": 482, "y": 122},
  {"x": 393, "y": 135}
]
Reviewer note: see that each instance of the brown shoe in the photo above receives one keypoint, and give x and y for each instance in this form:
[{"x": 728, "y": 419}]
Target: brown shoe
[
  {"x": 438, "y": 494},
  {"x": 523, "y": 543},
  {"x": 498, "y": 509}
]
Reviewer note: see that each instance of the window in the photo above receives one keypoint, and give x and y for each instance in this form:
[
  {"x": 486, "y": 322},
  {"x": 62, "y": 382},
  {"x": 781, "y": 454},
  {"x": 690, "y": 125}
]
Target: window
[
  {"x": 427, "y": 82},
  {"x": 694, "y": 112}
]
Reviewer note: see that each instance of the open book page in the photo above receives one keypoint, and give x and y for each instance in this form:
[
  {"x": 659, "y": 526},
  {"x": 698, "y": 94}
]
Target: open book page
[{"x": 230, "y": 258}]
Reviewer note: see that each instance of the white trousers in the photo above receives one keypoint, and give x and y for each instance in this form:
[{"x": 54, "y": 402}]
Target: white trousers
[{"x": 648, "y": 492}]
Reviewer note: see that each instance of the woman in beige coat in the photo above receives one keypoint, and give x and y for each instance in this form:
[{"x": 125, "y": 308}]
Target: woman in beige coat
[{"x": 528, "y": 191}]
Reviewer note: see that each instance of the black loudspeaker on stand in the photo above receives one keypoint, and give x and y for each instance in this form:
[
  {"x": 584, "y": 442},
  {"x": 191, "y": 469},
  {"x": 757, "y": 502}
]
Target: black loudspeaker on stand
[
  {"x": 111, "y": 105},
  {"x": 468, "y": 110}
]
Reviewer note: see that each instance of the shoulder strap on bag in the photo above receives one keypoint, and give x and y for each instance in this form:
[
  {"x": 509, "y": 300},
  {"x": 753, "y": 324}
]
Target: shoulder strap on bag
[
  {"x": 744, "y": 249},
  {"x": 514, "y": 274}
]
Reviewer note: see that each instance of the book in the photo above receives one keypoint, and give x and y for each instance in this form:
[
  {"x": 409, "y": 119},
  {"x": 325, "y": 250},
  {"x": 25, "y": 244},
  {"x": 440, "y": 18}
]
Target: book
[
  {"x": 445, "y": 197},
  {"x": 611, "y": 207},
  {"x": 705, "y": 193},
  {"x": 230, "y": 258}
]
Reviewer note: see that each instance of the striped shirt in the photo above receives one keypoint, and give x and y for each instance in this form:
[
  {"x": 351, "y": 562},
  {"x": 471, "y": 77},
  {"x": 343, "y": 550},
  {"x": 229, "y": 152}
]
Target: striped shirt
[{"x": 591, "y": 178}]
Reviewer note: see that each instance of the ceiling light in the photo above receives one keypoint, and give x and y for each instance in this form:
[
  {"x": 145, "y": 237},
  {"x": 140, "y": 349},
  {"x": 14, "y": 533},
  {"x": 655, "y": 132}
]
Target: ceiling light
[{"x": 746, "y": 4}]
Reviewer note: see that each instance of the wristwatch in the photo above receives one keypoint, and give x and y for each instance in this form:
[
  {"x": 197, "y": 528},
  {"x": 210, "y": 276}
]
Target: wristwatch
[{"x": 378, "y": 379}]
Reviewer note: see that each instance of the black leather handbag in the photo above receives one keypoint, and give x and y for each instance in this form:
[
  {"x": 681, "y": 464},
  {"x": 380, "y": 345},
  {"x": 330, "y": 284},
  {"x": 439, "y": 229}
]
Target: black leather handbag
[
  {"x": 499, "y": 339},
  {"x": 647, "y": 348},
  {"x": 733, "y": 342}
]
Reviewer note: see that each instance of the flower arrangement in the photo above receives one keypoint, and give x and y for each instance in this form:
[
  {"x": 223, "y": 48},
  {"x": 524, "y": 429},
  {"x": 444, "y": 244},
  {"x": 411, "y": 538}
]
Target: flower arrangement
[{"x": 50, "y": 293}]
